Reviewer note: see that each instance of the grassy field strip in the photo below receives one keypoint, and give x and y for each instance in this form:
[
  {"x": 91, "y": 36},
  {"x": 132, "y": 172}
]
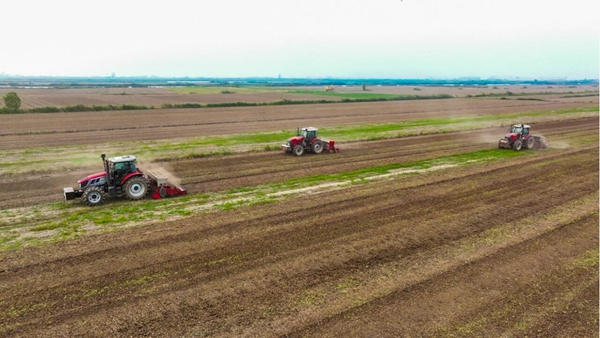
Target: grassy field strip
[
  {"x": 63, "y": 221},
  {"x": 67, "y": 158},
  {"x": 341, "y": 295},
  {"x": 331, "y": 94},
  {"x": 366, "y": 95},
  {"x": 220, "y": 90}
]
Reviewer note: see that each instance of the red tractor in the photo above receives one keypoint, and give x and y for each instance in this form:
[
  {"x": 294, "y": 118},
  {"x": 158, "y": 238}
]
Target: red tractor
[
  {"x": 121, "y": 177},
  {"x": 306, "y": 140},
  {"x": 518, "y": 137}
]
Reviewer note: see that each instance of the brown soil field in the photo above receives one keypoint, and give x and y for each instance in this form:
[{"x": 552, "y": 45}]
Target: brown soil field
[
  {"x": 33, "y": 130},
  {"x": 505, "y": 248},
  {"x": 217, "y": 173},
  {"x": 42, "y": 97},
  {"x": 33, "y": 98},
  {"x": 496, "y": 248},
  {"x": 458, "y": 91}
]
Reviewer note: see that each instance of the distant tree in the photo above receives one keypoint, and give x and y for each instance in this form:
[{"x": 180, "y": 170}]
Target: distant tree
[{"x": 12, "y": 102}]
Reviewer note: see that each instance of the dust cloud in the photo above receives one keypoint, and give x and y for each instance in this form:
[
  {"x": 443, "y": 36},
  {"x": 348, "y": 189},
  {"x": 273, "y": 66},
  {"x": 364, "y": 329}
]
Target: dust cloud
[
  {"x": 491, "y": 138},
  {"x": 558, "y": 144},
  {"x": 160, "y": 168}
]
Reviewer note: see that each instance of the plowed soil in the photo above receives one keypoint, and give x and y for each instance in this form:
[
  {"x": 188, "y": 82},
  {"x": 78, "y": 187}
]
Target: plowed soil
[
  {"x": 249, "y": 169},
  {"x": 156, "y": 97},
  {"x": 42, "y": 97},
  {"x": 505, "y": 248},
  {"x": 498, "y": 249},
  {"x": 63, "y": 129}
]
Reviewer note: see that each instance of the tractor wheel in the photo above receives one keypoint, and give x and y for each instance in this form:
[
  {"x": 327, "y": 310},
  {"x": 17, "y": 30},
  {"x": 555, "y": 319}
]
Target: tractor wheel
[
  {"x": 317, "y": 147},
  {"x": 93, "y": 196},
  {"x": 299, "y": 150},
  {"x": 530, "y": 143},
  {"x": 517, "y": 145},
  {"x": 136, "y": 188}
]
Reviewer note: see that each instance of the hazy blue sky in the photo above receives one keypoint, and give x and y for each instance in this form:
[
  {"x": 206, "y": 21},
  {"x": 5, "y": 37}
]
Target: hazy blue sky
[{"x": 379, "y": 39}]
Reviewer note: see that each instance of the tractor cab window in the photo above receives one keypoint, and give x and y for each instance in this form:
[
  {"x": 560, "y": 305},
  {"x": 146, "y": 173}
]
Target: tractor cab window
[
  {"x": 525, "y": 131},
  {"x": 125, "y": 167},
  {"x": 121, "y": 169},
  {"x": 516, "y": 130},
  {"x": 310, "y": 134}
]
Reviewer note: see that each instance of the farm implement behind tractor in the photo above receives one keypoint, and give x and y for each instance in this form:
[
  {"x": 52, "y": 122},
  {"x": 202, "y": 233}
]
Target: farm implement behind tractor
[
  {"x": 306, "y": 140},
  {"x": 519, "y": 137},
  {"x": 120, "y": 178}
]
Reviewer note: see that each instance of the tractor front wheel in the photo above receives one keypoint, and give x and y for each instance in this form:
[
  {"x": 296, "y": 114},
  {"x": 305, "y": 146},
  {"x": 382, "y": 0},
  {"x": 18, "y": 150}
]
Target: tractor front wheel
[
  {"x": 136, "y": 188},
  {"x": 93, "y": 196},
  {"x": 517, "y": 145},
  {"x": 299, "y": 150}
]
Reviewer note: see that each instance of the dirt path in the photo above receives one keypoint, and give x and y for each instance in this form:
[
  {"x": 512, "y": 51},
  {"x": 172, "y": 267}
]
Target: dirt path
[{"x": 477, "y": 250}]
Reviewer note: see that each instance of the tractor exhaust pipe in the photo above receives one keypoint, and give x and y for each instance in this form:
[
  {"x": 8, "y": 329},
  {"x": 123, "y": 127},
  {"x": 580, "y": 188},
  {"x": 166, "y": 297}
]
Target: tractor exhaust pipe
[{"x": 105, "y": 164}]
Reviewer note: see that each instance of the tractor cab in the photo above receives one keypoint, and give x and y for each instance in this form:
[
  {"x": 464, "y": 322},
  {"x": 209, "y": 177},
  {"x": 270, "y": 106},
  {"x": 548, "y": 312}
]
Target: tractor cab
[
  {"x": 309, "y": 133},
  {"x": 519, "y": 129},
  {"x": 121, "y": 166}
]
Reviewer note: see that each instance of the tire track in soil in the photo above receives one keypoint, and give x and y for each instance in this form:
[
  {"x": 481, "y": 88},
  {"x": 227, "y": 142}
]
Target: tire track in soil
[
  {"x": 491, "y": 295},
  {"x": 301, "y": 239}
]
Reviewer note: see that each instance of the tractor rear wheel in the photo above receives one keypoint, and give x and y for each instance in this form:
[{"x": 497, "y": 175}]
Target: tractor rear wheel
[
  {"x": 317, "y": 147},
  {"x": 530, "y": 143},
  {"x": 517, "y": 145},
  {"x": 299, "y": 150},
  {"x": 136, "y": 188},
  {"x": 93, "y": 196}
]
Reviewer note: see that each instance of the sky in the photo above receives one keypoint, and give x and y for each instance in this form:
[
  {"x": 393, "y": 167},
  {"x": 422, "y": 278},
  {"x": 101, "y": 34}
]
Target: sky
[{"x": 305, "y": 39}]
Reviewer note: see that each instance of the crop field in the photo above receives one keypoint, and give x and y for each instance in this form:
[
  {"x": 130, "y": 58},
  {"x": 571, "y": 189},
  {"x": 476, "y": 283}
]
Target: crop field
[
  {"x": 418, "y": 227},
  {"x": 156, "y": 97}
]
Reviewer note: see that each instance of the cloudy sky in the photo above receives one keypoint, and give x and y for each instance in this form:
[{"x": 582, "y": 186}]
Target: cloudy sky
[{"x": 236, "y": 38}]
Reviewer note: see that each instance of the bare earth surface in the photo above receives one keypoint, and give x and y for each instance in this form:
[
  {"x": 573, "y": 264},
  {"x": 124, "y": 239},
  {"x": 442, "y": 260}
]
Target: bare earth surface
[
  {"x": 505, "y": 248},
  {"x": 156, "y": 97},
  {"x": 42, "y": 97},
  {"x": 218, "y": 173},
  {"x": 60, "y": 129}
]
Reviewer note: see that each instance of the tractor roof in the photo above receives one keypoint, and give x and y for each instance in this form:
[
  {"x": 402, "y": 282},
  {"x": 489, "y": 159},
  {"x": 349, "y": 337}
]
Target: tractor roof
[
  {"x": 310, "y": 129},
  {"x": 125, "y": 158},
  {"x": 521, "y": 125}
]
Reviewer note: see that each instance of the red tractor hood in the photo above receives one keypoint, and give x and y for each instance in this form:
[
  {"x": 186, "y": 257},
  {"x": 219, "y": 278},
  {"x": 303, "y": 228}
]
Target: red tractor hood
[
  {"x": 85, "y": 179},
  {"x": 296, "y": 139},
  {"x": 512, "y": 136}
]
